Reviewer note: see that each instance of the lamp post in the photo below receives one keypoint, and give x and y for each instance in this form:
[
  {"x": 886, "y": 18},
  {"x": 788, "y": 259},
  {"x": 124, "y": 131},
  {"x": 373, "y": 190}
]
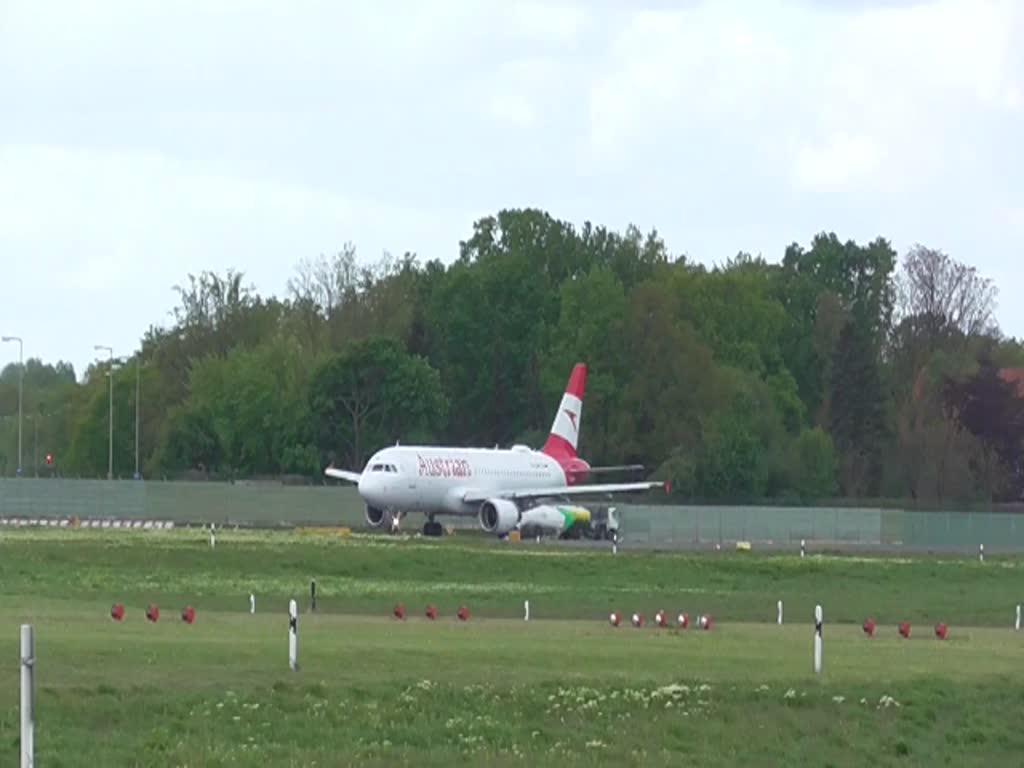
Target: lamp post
[
  {"x": 21, "y": 388},
  {"x": 138, "y": 391},
  {"x": 110, "y": 456}
]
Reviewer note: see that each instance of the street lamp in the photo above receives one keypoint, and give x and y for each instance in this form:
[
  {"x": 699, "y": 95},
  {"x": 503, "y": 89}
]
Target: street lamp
[
  {"x": 21, "y": 388},
  {"x": 110, "y": 458},
  {"x": 138, "y": 390}
]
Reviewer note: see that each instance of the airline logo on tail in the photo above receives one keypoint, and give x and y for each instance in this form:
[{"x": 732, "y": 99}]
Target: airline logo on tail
[
  {"x": 564, "y": 438},
  {"x": 572, "y": 418}
]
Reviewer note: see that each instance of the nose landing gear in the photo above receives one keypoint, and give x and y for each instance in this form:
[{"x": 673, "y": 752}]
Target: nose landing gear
[{"x": 432, "y": 527}]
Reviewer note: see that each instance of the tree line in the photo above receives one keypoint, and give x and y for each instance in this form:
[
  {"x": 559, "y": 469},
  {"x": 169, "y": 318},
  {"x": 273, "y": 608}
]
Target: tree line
[{"x": 841, "y": 371}]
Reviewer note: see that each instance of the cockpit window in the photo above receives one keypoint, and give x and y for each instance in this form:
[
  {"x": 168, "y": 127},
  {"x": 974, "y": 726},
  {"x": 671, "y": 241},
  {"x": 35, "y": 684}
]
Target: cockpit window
[{"x": 384, "y": 468}]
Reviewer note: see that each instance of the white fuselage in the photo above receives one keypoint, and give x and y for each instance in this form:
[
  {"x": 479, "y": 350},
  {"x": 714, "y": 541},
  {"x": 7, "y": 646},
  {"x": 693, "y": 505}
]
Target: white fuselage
[{"x": 433, "y": 479}]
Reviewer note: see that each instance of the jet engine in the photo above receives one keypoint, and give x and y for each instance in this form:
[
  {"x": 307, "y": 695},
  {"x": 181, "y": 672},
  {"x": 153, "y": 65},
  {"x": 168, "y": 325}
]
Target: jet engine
[
  {"x": 498, "y": 516},
  {"x": 375, "y": 517}
]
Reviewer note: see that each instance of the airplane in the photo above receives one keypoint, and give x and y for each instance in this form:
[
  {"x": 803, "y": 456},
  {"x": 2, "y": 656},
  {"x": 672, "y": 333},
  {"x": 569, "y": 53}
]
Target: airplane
[{"x": 497, "y": 485}]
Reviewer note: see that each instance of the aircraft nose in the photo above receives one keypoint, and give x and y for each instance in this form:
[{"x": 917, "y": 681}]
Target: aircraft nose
[{"x": 370, "y": 487}]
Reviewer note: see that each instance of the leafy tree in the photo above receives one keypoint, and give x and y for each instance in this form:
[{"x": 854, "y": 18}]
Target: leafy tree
[
  {"x": 827, "y": 372},
  {"x": 857, "y": 422},
  {"x": 992, "y": 409},
  {"x": 370, "y": 395},
  {"x": 814, "y": 465}
]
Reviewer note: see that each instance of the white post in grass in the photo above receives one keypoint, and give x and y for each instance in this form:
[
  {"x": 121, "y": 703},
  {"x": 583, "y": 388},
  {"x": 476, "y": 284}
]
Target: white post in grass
[
  {"x": 293, "y": 639},
  {"x": 817, "y": 639},
  {"x": 1017, "y": 625},
  {"x": 213, "y": 537},
  {"x": 28, "y": 663},
  {"x": 780, "y": 613},
  {"x": 981, "y": 552},
  {"x": 803, "y": 546},
  {"x": 526, "y": 608},
  {"x": 252, "y": 603}
]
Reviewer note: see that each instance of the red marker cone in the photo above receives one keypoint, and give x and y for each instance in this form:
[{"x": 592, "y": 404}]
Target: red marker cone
[
  {"x": 463, "y": 613},
  {"x": 188, "y": 614},
  {"x": 117, "y": 612},
  {"x": 941, "y": 630},
  {"x": 431, "y": 612},
  {"x": 869, "y": 628},
  {"x": 905, "y": 629},
  {"x": 400, "y": 612},
  {"x": 153, "y": 613}
]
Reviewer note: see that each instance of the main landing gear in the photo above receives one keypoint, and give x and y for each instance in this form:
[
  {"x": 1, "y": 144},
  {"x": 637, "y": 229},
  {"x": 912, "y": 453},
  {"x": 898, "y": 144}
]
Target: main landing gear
[{"x": 432, "y": 527}]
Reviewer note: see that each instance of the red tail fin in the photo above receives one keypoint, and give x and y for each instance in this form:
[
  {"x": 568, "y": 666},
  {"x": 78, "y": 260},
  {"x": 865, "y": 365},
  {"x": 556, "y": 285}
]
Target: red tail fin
[{"x": 564, "y": 437}]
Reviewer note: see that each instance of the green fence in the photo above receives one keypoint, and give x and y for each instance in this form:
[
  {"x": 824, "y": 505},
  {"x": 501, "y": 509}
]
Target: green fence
[
  {"x": 251, "y": 503},
  {"x": 223, "y": 503},
  {"x": 822, "y": 526}
]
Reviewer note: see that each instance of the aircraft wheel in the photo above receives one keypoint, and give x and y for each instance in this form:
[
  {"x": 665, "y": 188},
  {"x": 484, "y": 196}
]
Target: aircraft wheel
[{"x": 433, "y": 528}]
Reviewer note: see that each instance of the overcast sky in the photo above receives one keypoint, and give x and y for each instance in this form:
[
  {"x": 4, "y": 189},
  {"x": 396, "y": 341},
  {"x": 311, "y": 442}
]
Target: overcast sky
[{"x": 141, "y": 141}]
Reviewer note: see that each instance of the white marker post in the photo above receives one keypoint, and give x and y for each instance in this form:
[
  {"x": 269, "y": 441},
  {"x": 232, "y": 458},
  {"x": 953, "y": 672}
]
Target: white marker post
[
  {"x": 817, "y": 639},
  {"x": 28, "y": 664},
  {"x": 213, "y": 538},
  {"x": 1017, "y": 625},
  {"x": 293, "y": 636},
  {"x": 252, "y": 603},
  {"x": 981, "y": 552},
  {"x": 780, "y": 613},
  {"x": 803, "y": 547},
  {"x": 526, "y": 608}
]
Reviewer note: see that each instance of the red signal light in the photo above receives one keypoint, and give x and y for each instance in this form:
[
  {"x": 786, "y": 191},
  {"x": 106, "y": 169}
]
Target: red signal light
[{"x": 49, "y": 459}]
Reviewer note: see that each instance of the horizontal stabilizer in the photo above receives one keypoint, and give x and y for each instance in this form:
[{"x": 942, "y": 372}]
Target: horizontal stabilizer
[
  {"x": 342, "y": 474},
  {"x": 621, "y": 468},
  {"x": 475, "y": 496}
]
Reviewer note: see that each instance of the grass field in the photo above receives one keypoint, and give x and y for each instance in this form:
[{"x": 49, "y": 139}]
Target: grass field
[{"x": 565, "y": 688}]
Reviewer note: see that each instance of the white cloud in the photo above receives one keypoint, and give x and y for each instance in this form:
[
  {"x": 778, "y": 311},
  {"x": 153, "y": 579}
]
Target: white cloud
[{"x": 843, "y": 159}]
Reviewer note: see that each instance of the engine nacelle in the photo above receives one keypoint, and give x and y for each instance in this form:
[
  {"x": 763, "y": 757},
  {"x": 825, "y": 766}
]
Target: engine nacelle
[
  {"x": 375, "y": 517},
  {"x": 498, "y": 516}
]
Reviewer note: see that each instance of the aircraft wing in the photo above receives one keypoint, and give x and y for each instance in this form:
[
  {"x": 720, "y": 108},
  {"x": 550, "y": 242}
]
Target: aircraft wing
[
  {"x": 342, "y": 474},
  {"x": 474, "y": 496}
]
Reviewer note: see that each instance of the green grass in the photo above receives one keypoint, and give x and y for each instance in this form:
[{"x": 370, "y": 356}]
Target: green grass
[{"x": 564, "y": 689}]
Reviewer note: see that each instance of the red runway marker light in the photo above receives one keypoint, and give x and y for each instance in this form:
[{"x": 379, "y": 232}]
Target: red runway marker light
[
  {"x": 614, "y": 619},
  {"x": 153, "y": 613},
  {"x": 869, "y": 628},
  {"x": 188, "y": 614},
  {"x": 941, "y": 630},
  {"x": 463, "y": 613},
  {"x": 662, "y": 618},
  {"x": 638, "y": 620},
  {"x": 905, "y": 629},
  {"x": 706, "y": 622},
  {"x": 117, "y": 612},
  {"x": 683, "y": 620},
  {"x": 431, "y": 612},
  {"x": 400, "y": 612}
]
